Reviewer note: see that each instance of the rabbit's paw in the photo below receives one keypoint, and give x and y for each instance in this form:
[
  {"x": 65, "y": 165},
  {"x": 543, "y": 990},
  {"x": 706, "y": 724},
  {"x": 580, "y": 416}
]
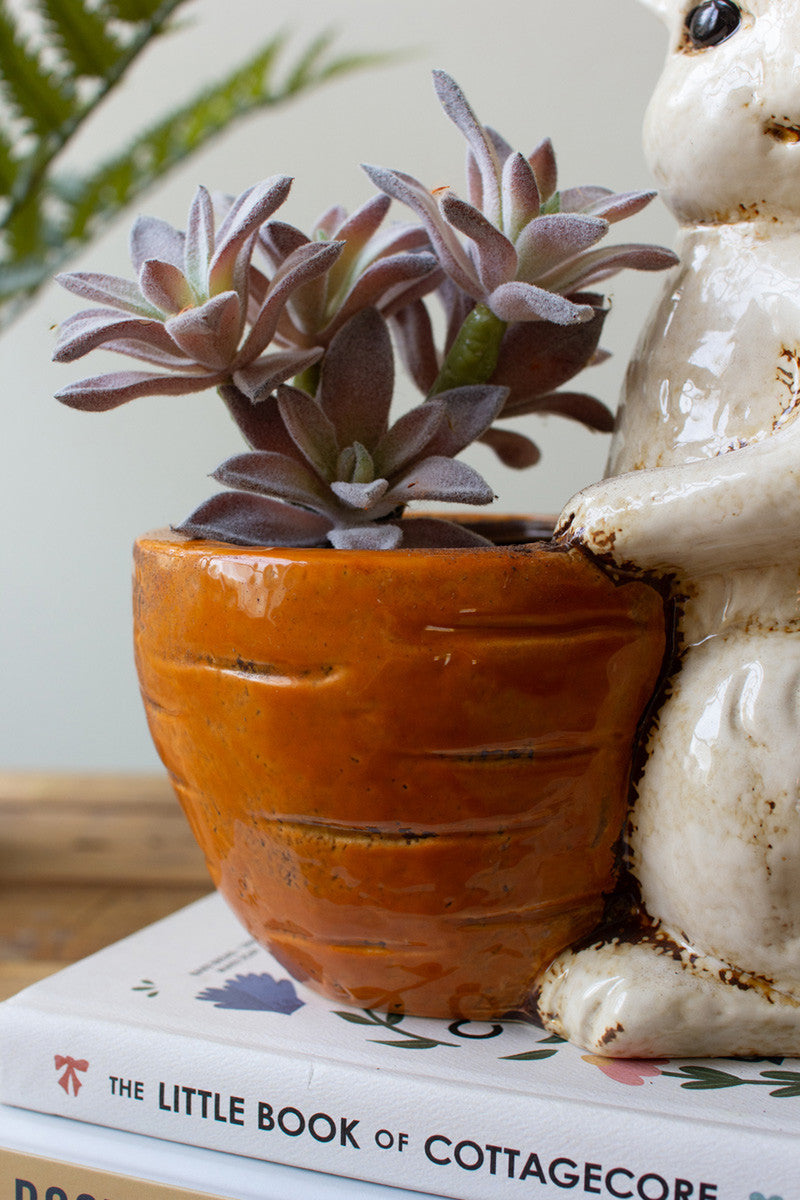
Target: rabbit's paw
[{"x": 652, "y": 999}]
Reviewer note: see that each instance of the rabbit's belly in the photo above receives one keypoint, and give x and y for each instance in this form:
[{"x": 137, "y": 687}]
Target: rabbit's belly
[{"x": 716, "y": 831}]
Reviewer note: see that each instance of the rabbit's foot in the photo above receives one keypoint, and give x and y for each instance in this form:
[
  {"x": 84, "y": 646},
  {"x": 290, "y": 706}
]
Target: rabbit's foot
[{"x": 651, "y": 998}]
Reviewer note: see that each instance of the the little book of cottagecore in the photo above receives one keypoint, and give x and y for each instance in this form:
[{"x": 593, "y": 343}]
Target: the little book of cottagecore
[{"x": 188, "y": 1031}]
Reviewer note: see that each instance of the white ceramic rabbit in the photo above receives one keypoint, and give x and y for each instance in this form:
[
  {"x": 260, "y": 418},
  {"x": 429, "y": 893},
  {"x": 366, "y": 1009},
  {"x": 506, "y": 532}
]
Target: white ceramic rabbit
[{"x": 704, "y": 490}]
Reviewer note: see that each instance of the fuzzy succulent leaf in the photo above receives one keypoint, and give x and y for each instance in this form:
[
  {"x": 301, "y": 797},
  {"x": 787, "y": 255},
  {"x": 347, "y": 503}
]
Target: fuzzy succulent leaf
[
  {"x": 358, "y": 380},
  {"x": 443, "y": 479},
  {"x": 104, "y": 392},
  {"x": 514, "y": 449},
  {"x": 310, "y": 429},
  {"x": 249, "y": 520}
]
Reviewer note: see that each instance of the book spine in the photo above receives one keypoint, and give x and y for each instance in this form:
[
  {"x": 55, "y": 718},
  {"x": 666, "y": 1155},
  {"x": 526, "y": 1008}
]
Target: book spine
[
  {"x": 409, "y": 1131},
  {"x": 34, "y": 1177}
]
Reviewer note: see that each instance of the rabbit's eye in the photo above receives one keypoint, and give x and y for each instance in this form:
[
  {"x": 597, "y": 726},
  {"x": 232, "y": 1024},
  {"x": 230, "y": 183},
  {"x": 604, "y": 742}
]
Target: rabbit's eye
[{"x": 711, "y": 23}]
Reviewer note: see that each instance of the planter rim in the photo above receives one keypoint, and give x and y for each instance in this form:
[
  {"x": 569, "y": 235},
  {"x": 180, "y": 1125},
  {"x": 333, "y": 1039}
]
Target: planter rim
[{"x": 536, "y": 526}]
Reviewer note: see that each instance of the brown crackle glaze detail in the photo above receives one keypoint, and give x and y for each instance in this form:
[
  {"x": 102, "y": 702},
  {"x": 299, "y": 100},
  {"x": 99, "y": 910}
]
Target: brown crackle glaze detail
[{"x": 408, "y": 770}]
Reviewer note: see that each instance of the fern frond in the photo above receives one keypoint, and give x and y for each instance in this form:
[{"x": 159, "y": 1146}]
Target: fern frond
[
  {"x": 130, "y": 10},
  {"x": 49, "y": 215},
  {"x": 40, "y": 100},
  {"x": 250, "y": 87},
  {"x": 8, "y": 164},
  {"x": 80, "y": 34}
]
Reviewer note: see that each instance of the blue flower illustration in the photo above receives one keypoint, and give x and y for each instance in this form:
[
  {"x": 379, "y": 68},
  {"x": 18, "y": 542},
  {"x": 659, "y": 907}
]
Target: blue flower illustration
[{"x": 259, "y": 993}]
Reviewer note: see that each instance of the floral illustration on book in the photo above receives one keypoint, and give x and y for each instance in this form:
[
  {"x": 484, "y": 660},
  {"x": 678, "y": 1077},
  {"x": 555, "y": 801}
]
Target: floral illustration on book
[
  {"x": 147, "y": 986},
  {"x": 70, "y": 1066},
  {"x": 259, "y": 993}
]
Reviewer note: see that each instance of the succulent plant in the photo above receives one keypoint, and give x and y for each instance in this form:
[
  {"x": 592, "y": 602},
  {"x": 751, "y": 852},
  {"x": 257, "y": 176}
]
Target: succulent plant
[
  {"x": 334, "y": 469},
  {"x": 518, "y": 255},
  {"x": 192, "y": 311},
  {"x": 243, "y": 302}
]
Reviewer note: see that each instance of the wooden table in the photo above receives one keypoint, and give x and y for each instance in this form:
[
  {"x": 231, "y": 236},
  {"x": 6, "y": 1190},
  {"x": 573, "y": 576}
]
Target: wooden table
[{"x": 85, "y": 860}]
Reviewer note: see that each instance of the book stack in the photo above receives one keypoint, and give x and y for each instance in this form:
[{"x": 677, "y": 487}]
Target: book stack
[{"x": 210, "y": 1071}]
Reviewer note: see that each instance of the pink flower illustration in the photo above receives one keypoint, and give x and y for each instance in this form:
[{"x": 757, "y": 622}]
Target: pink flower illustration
[{"x": 632, "y": 1071}]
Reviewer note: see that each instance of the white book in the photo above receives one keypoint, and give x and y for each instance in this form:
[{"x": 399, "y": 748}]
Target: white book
[
  {"x": 39, "y": 1153},
  {"x": 189, "y": 1032}
]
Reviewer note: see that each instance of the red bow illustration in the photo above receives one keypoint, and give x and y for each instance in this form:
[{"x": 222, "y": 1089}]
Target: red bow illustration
[{"x": 70, "y": 1076}]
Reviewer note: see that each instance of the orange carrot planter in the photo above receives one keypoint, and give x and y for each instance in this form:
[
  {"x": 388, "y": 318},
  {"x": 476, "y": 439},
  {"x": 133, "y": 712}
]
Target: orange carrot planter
[{"x": 407, "y": 768}]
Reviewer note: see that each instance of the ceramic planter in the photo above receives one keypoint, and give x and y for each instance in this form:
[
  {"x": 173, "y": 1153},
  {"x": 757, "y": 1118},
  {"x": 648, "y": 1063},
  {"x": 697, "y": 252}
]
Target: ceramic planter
[{"x": 408, "y": 770}]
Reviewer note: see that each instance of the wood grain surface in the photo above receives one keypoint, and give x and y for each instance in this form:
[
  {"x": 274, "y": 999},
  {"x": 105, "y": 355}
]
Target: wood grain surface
[{"x": 85, "y": 860}]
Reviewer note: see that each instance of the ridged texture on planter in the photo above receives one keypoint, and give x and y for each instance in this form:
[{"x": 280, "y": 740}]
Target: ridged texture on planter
[{"x": 408, "y": 770}]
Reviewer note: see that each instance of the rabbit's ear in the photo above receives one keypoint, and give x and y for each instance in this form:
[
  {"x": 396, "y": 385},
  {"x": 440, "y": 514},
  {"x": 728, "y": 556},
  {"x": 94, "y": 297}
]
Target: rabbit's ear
[{"x": 660, "y": 7}]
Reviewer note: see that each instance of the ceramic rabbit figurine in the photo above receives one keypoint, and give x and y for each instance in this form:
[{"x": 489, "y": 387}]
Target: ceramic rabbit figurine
[{"x": 704, "y": 491}]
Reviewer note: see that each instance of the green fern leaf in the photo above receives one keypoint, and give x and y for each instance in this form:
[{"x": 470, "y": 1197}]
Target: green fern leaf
[
  {"x": 35, "y": 95},
  {"x": 86, "y": 46},
  {"x": 247, "y": 89},
  {"x": 131, "y": 10},
  {"x": 8, "y": 164}
]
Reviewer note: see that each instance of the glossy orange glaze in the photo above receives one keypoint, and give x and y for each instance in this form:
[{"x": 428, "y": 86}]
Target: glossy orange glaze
[{"x": 407, "y": 769}]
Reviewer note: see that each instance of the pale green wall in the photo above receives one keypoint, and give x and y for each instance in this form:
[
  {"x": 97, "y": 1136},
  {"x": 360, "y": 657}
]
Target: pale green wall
[{"x": 77, "y": 488}]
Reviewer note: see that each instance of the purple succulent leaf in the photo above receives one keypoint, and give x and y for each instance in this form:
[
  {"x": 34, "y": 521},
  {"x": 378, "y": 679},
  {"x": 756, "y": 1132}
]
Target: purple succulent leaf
[
  {"x": 151, "y": 237},
  {"x": 545, "y": 169},
  {"x": 272, "y": 474},
  {"x": 248, "y": 520},
  {"x": 261, "y": 377},
  {"x": 474, "y": 181},
  {"x": 447, "y": 247},
  {"x": 521, "y": 201},
  {"x": 414, "y": 333},
  {"x": 397, "y": 238},
  {"x": 261, "y": 424},
  {"x": 581, "y": 199},
  {"x": 577, "y": 406},
  {"x": 513, "y": 449},
  {"x": 409, "y": 437},
  {"x": 457, "y": 108},
  {"x": 469, "y": 411},
  {"x": 537, "y": 357},
  {"x": 502, "y": 148},
  {"x": 110, "y": 290},
  {"x": 91, "y": 327},
  {"x": 311, "y": 430},
  {"x": 165, "y": 286},
  {"x": 525, "y": 302},
  {"x": 101, "y": 393},
  {"x": 331, "y": 220},
  {"x": 457, "y": 307},
  {"x": 550, "y": 240},
  {"x": 167, "y": 360},
  {"x": 358, "y": 380},
  {"x": 496, "y": 256},
  {"x": 280, "y": 240},
  {"x": 442, "y": 479},
  {"x": 247, "y": 214},
  {"x": 361, "y": 496},
  {"x": 433, "y": 533},
  {"x": 588, "y": 269},
  {"x": 366, "y": 537},
  {"x": 209, "y": 333},
  {"x": 356, "y": 231},
  {"x": 412, "y": 292},
  {"x": 613, "y": 207},
  {"x": 386, "y": 284},
  {"x": 199, "y": 246},
  {"x": 306, "y": 263}
]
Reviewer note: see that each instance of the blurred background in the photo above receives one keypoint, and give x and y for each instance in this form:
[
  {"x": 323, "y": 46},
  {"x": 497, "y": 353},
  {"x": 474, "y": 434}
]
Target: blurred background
[{"x": 77, "y": 488}]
